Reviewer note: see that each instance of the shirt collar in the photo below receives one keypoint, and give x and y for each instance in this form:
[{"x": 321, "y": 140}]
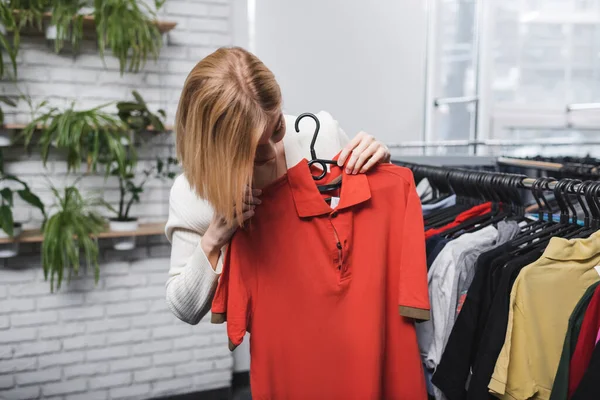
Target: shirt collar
[
  {"x": 309, "y": 202},
  {"x": 573, "y": 249}
]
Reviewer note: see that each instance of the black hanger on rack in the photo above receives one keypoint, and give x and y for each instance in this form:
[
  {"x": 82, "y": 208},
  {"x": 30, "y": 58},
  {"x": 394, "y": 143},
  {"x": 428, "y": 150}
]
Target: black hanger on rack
[
  {"x": 337, "y": 182},
  {"x": 541, "y": 231}
]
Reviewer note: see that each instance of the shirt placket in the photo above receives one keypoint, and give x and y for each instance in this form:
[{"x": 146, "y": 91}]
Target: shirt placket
[{"x": 341, "y": 223}]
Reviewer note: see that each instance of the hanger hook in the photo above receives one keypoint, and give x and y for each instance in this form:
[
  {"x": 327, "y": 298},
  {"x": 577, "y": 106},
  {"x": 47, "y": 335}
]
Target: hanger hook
[
  {"x": 569, "y": 188},
  {"x": 313, "y": 153}
]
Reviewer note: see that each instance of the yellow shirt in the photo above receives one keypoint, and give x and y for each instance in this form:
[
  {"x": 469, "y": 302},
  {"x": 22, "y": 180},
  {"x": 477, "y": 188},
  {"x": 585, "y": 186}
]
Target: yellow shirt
[{"x": 541, "y": 302}]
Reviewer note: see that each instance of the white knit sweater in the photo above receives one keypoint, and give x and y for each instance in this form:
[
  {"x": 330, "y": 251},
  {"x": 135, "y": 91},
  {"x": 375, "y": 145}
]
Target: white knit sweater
[{"x": 192, "y": 280}]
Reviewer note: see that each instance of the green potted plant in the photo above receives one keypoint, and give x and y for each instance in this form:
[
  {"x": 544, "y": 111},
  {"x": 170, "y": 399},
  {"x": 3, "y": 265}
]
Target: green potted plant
[
  {"x": 138, "y": 117},
  {"x": 70, "y": 233},
  {"x": 130, "y": 189},
  {"x": 8, "y": 25},
  {"x": 66, "y": 23},
  {"x": 92, "y": 134},
  {"x": 8, "y": 226},
  {"x": 128, "y": 28}
]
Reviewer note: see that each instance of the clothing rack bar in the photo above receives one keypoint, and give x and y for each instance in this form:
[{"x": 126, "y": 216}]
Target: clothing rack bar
[
  {"x": 493, "y": 143},
  {"x": 516, "y": 162}
]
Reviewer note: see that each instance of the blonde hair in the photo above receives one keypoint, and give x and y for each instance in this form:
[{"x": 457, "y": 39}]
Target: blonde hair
[{"x": 228, "y": 100}]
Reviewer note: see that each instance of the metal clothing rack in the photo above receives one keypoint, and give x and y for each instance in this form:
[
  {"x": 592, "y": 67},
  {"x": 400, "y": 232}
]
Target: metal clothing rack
[
  {"x": 493, "y": 143},
  {"x": 499, "y": 180}
]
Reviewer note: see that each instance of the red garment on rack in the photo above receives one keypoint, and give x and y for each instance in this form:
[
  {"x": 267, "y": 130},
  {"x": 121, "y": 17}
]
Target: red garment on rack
[
  {"x": 585, "y": 342},
  {"x": 460, "y": 218},
  {"x": 321, "y": 289}
]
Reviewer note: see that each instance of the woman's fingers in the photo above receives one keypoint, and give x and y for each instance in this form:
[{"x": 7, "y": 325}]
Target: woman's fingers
[
  {"x": 248, "y": 214},
  {"x": 357, "y": 153},
  {"x": 349, "y": 147},
  {"x": 365, "y": 156},
  {"x": 379, "y": 156},
  {"x": 251, "y": 196}
]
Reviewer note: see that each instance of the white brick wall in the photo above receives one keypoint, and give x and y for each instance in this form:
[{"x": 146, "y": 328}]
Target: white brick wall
[{"x": 115, "y": 340}]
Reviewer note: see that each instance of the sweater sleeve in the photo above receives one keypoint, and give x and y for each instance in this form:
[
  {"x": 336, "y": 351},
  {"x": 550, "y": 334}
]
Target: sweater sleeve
[{"x": 192, "y": 281}]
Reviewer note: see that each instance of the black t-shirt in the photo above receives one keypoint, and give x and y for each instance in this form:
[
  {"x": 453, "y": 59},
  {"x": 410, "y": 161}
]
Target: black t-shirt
[
  {"x": 494, "y": 333},
  {"x": 589, "y": 387},
  {"x": 461, "y": 350}
]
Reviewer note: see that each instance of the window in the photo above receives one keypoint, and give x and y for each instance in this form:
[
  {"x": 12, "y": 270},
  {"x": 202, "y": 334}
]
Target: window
[{"x": 537, "y": 57}]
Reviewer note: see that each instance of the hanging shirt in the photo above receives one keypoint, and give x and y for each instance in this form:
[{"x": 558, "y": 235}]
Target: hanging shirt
[
  {"x": 465, "y": 270},
  {"x": 424, "y": 189},
  {"x": 585, "y": 343},
  {"x": 432, "y": 334},
  {"x": 460, "y": 218},
  {"x": 541, "y": 301},
  {"x": 589, "y": 388},
  {"x": 493, "y": 320},
  {"x": 444, "y": 203},
  {"x": 320, "y": 290},
  {"x": 560, "y": 387},
  {"x": 453, "y": 370}
]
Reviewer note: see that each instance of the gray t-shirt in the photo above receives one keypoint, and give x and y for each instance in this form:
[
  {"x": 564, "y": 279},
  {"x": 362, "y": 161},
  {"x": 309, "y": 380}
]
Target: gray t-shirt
[{"x": 441, "y": 276}]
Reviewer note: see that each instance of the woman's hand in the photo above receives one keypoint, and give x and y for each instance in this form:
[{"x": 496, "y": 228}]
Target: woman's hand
[
  {"x": 364, "y": 152},
  {"x": 219, "y": 233}
]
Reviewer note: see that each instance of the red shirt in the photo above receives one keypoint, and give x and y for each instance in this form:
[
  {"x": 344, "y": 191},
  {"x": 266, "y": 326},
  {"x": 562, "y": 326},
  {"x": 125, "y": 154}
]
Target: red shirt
[
  {"x": 320, "y": 289},
  {"x": 460, "y": 218},
  {"x": 585, "y": 342}
]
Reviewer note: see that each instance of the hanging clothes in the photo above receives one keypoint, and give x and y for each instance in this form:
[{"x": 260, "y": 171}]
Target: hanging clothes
[
  {"x": 460, "y": 218},
  {"x": 541, "y": 301},
  {"x": 588, "y": 387},
  {"x": 443, "y": 203},
  {"x": 560, "y": 388},
  {"x": 449, "y": 280},
  {"x": 586, "y": 342},
  {"x": 440, "y": 279},
  {"x": 322, "y": 297},
  {"x": 480, "y": 329},
  {"x": 424, "y": 190}
]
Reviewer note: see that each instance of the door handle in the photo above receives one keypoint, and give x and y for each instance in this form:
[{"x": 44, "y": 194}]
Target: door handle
[{"x": 454, "y": 100}]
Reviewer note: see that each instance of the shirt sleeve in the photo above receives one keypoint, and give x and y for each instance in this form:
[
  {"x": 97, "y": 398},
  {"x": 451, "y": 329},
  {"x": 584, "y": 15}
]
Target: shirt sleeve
[
  {"x": 413, "y": 296},
  {"x": 192, "y": 279},
  {"x": 232, "y": 299}
]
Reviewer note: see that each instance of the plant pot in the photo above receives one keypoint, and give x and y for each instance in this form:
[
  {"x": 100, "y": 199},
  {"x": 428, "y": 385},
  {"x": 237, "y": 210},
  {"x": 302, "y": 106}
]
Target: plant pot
[
  {"x": 128, "y": 140},
  {"x": 8, "y": 250},
  {"x": 126, "y": 242},
  {"x": 5, "y": 138},
  {"x": 51, "y": 32}
]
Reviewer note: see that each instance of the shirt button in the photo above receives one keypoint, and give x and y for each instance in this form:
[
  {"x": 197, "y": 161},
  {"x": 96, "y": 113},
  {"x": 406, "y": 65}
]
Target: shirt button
[
  {"x": 334, "y": 214},
  {"x": 339, "y": 245}
]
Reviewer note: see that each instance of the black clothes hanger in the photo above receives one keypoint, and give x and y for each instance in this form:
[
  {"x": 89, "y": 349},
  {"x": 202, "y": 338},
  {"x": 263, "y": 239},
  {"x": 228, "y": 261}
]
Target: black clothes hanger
[
  {"x": 531, "y": 237},
  {"x": 315, "y": 160}
]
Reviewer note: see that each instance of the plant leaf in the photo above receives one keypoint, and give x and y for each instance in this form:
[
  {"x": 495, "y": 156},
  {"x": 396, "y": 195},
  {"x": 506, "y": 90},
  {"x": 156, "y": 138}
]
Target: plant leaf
[
  {"x": 7, "y": 196},
  {"x": 32, "y": 199},
  {"x": 6, "y": 219}
]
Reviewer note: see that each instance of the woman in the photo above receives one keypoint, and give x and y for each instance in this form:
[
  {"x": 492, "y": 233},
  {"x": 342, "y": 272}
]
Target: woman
[{"x": 231, "y": 136}]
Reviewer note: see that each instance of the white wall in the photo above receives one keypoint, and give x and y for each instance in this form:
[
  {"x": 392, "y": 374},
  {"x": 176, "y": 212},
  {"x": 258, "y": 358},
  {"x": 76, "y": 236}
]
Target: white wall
[
  {"x": 363, "y": 61},
  {"x": 114, "y": 340}
]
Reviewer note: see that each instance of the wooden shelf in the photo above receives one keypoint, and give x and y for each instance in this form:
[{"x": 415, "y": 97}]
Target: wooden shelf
[
  {"x": 89, "y": 23},
  {"x": 18, "y": 127},
  {"x": 35, "y": 236}
]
